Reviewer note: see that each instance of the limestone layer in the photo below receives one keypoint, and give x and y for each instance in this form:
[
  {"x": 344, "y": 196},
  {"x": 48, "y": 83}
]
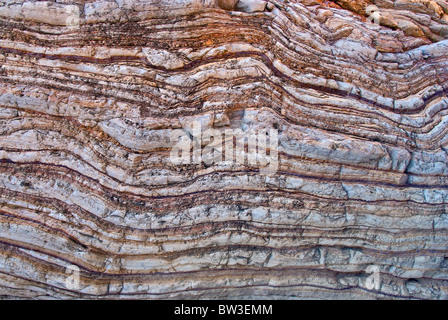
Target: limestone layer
[{"x": 91, "y": 91}]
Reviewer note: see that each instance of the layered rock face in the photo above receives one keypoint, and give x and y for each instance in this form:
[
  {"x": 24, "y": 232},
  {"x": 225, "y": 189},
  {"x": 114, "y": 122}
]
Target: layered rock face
[{"x": 93, "y": 206}]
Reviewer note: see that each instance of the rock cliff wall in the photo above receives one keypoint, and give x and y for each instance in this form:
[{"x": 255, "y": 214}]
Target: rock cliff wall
[{"x": 92, "y": 204}]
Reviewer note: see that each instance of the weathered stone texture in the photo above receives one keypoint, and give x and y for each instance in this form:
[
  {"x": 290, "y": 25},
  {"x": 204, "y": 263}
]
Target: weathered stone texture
[{"x": 87, "y": 104}]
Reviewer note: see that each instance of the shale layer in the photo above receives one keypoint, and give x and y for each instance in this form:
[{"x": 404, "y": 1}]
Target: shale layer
[{"x": 91, "y": 91}]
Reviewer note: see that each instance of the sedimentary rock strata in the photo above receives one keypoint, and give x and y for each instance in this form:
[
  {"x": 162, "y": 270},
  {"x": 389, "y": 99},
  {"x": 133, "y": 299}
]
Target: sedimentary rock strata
[{"x": 92, "y": 205}]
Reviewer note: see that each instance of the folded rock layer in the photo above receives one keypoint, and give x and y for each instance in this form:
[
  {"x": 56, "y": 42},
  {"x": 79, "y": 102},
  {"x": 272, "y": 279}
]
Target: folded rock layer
[{"x": 92, "y": 207}]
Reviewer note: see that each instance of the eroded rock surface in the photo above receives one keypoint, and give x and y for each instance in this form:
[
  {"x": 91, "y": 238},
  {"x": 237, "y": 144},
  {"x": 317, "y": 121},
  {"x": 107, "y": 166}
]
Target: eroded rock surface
[{"x": 90, "y": 92}]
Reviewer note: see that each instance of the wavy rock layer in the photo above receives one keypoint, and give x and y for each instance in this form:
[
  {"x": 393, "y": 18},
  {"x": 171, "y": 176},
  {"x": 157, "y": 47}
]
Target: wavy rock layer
[{"x": 86, "y": 179}]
